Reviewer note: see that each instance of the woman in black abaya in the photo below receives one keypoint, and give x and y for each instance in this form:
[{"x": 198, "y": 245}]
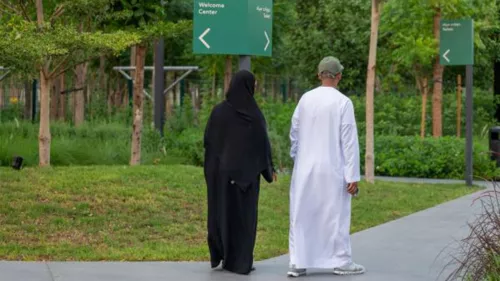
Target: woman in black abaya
[{"x": 237, "y": 153}]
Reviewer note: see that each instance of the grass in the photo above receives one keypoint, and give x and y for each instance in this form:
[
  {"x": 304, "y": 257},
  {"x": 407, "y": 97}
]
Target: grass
[
  {"x": 89, "y": 144},
  {"x": 157, "y": 212}
]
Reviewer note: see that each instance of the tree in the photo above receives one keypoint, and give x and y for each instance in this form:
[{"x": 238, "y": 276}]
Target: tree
[
  {"x": 370, "y": 89},
  {"x": 321, "y": 30},
  {"x": 138, "y": 104},
  {"x": 412, "y": 49},
  {"x": 146, "y": 17},
  {"x": 437, "y": 92},
  {"x": 410, "y": 32},
  {"x": 51, "y": 47}
]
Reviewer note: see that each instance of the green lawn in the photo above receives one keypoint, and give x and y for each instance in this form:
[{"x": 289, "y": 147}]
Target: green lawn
[{"x": 157, "y": 212}]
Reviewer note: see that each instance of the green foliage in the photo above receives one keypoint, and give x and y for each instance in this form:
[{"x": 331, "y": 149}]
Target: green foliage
[
  {"x": 400, "y": 115},
  {"x": 398, "y": 151},
  {"x": 137, "y": 13},
  {"x": 429, "y": 158},
  {"x": 90, "y": 144},
  {"x": 57, "y": 47},
  {"x": 396, "y": 143},
  {"x": 339, "y": 28},
  {"x": 407, "y": 42}
]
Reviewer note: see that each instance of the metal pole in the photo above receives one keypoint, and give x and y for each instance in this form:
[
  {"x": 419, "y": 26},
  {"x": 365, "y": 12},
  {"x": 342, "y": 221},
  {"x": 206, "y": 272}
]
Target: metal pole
[
  {"x": 159, "y": 100},
  {"x": 245, "y": 63},
  {"x": 469, "y": 101},
  {"x": 33, "y": 101}
]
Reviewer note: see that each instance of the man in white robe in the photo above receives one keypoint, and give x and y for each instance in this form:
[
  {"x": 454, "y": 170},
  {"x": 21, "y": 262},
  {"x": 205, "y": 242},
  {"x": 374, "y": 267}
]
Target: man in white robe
[{"x": 326, "y": 172}]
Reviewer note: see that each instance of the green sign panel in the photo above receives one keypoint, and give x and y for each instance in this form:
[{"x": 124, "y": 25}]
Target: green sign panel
[
  {"x": 456, "y": 45},
  {"x": 233, "y": 27}
]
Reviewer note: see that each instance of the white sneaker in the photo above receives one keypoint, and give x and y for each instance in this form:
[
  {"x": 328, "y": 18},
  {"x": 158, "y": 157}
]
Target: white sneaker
[
  {"x": 296, "y": 272},
  {"x": 350, "y": 269}
]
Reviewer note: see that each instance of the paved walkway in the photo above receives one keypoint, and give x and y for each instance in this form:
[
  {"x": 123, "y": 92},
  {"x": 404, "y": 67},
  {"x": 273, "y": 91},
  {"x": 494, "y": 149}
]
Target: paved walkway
[{"x": 408, "y": 249}]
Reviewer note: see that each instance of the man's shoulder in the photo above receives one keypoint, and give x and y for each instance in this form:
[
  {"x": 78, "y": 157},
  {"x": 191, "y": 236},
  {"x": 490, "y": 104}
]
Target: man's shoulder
[
  {"x": 344, "y": 99},
  {"x": 321, "y": 90},
  {"x": 310, "y": 93}
]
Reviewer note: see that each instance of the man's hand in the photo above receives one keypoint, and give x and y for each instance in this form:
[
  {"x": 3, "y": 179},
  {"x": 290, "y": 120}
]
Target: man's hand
[
  {"x": 275, "y": 177},
  {"x": 352, "y": 188}
]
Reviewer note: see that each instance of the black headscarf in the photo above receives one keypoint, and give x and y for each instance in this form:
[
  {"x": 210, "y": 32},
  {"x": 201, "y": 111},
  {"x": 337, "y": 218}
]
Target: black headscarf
[
  {"x": 236, "y": 134},
  {"x": 240, "y": 95}
]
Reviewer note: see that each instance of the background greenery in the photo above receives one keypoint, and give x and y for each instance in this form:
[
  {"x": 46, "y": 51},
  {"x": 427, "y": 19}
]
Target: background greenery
[{"x": 398, "y": 149}]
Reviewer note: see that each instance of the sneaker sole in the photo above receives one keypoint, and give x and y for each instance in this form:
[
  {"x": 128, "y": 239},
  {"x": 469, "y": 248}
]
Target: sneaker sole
[
  {"x": 295, "y": 274},
  {"x": 345, "y": 273}
]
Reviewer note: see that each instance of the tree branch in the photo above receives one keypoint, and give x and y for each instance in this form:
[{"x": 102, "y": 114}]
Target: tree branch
[
  {"x": 2, "y": 11},
  {"x": 47, "y": 66},
  {"x": 71, "y": 66},
  {"x": 58, "y": 66},
  {"x": 57, "y": 13},
  {"x": 9, "y": 7},
  {"x": 25, "y": 13}
]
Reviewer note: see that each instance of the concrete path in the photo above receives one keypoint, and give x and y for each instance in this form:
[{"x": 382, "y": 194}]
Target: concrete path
[{"x": 408, "y": 249}]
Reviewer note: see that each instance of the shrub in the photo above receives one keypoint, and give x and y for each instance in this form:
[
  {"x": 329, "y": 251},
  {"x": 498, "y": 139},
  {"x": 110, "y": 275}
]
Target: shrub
[{"x": 428, "y": 158}]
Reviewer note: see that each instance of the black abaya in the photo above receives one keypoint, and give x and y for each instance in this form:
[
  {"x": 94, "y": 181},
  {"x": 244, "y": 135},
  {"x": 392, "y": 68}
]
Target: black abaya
[{"x": 237, "y": 152}]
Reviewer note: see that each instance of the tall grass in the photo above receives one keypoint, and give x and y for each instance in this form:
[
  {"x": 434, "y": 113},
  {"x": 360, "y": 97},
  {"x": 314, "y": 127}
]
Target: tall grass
[
  {"x": 90, "y": 144},
  {"x": 479, "y": 257}
]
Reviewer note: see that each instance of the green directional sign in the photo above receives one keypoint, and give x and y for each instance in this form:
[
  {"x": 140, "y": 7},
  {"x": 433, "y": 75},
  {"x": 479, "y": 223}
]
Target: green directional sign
[
  {"x": 456, "y": 46},
  {"x": 233, "y": 27}
]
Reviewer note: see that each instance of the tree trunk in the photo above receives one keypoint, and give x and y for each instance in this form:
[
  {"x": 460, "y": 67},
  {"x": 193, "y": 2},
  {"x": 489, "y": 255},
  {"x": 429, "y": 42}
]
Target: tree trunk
[
  {"x": 79, "y": 112},
  {"x": 28, "y": 100},
  {"x": 228, "y": 73},
  {"x": 39, "y": 13},
  {"x": 370, "y": 88},
  {"x": 424, "y": 89},
  {"x": 135, "y": 158},
  {"x": 62, "y": 98},
  {"x": 44, "y": 133},
  {"x": 44, "y": 136},
  {"x": 437, "y": 92},
  {"x": 459, "y": 105}
]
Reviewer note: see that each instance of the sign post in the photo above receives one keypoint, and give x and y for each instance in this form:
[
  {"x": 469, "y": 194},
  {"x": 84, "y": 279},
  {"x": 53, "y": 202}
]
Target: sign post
[
  {"x": 456, "y": 47},
  {"x": 229, "y": 27},
  {"x": 245, "y": 63}
]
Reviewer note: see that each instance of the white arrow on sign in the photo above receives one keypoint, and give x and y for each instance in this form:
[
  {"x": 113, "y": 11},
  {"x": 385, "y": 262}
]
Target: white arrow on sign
[
  {"x": 445, "y": 55},
  {"x": 203, "y": 35},
  {"x": 268, "y": 41}
]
